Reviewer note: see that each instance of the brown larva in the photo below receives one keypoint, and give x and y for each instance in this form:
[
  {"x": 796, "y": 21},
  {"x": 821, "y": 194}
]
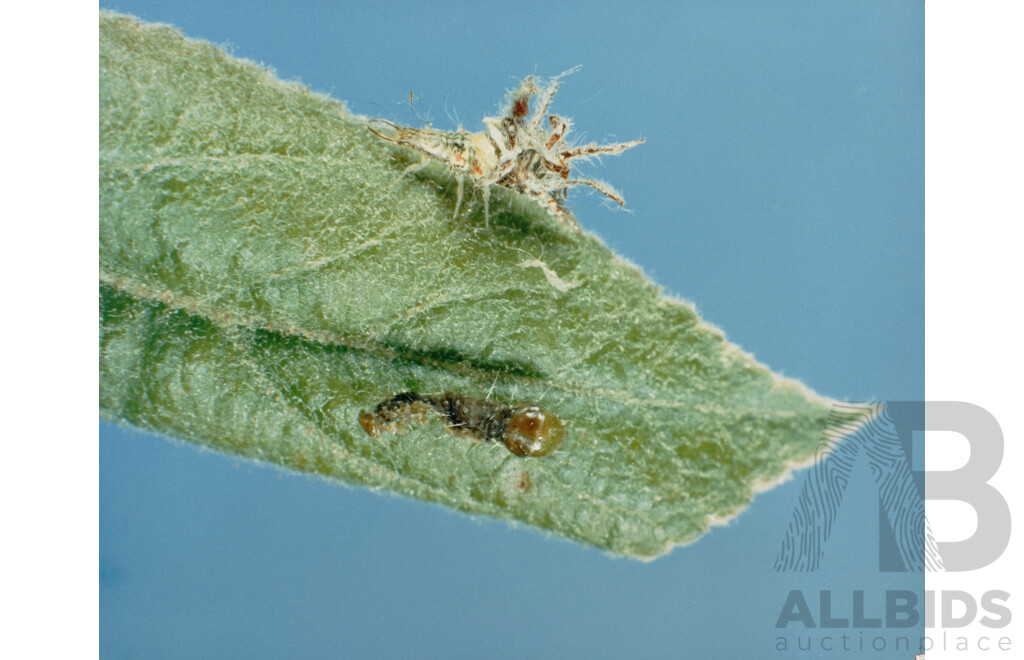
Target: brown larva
[{"x": 525, "y": 429}]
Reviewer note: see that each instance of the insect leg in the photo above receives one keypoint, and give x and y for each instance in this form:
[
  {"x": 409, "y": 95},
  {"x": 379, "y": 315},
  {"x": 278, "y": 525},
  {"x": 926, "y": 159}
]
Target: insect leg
[
  {"x": 600, "y": 186},
  {"x": 545, "y": 100},
  {"x": 559, "y": 128},
  {"x": 520, "y": 100},
  {"x": 541, "y": 110},
  {"x": 485, "y": 192},
  {"x": 594, "y": 149}
]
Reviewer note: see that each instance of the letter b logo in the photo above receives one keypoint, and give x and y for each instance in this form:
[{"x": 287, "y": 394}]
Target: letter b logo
[
  {"x": 970, "y": 483},
  {"x": 886, "y": 441}
]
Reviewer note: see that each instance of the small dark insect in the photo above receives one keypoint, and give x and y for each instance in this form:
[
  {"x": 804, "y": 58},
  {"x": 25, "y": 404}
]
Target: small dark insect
[{"x": 524, "y": 428}]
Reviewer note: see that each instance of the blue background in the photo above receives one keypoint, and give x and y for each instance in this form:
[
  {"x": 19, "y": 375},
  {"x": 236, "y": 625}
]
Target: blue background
[{"x": 781, "y": 189}]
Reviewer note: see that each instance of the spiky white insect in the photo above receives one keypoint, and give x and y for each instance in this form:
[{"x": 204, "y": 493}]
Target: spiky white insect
[{"x": 515, "y": 151}]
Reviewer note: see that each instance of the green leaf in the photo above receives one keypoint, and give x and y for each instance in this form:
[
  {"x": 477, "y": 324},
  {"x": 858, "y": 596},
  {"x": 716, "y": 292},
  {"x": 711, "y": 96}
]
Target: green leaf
[{"x": 267, "y": 271}]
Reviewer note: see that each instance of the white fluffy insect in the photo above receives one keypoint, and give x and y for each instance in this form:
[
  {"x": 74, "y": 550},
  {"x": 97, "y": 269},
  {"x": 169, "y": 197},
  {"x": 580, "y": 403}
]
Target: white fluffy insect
[{"x": 525, "y": 152}]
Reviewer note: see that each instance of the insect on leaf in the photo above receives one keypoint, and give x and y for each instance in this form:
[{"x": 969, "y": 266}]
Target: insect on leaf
[
  {"x": 267, "y": 272},
  {"x": 524, "y": 152}
]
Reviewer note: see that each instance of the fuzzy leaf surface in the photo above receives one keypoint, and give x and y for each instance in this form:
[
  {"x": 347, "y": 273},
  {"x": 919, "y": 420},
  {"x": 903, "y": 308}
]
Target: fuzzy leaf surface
[{"x": 267, "y": 271}]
